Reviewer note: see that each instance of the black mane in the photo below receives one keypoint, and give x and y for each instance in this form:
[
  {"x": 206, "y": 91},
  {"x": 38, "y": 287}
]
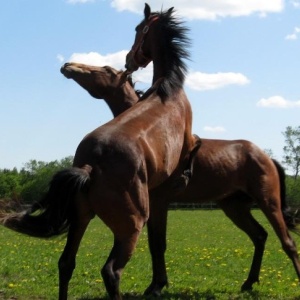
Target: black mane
[{"x": 174, "y": 44}]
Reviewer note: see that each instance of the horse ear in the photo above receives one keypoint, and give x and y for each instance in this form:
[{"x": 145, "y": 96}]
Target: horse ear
[
  {"x": 147, "y": 11},
  {"x": 170, "y": 10}
]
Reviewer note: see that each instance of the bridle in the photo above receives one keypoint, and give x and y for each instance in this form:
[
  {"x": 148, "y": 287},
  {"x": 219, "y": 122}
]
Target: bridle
[{"x": 137, "y": 50}]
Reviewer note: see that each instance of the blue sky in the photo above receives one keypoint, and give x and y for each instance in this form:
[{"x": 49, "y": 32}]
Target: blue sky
[{"x": 243, "y": 81}]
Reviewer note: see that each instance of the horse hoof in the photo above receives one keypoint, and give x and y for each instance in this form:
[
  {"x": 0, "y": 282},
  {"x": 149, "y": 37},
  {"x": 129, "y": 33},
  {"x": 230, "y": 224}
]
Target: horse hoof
[
  {"x": 246, "y": 287},
  {"x": 154, "y": 289},
  {"x": 153, "y": 292}
]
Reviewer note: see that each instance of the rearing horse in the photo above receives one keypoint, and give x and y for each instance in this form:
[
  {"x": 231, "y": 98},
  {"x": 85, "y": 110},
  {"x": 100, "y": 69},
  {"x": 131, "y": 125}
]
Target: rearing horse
[
  {"x": 233, "y": 174},
  {"x": 227, "y": 163},
  {"x": 114, "y": 167}
]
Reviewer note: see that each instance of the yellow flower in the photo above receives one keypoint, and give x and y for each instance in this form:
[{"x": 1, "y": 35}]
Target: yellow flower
[{"x": 294, "y": 284}]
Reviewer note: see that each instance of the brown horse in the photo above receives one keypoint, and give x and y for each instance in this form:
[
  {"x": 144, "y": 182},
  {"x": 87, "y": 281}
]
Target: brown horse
[
  {"x": 114, "y": 168},
  {"x": 222, "y": 162},
  {"x": 235, "y": 174},
  {"x": 115, "y": 87}
]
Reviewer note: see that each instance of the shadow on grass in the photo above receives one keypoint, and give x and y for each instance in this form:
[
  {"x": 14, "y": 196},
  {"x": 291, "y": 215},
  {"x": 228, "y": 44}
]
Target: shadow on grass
[{"x": 206, "y": 295}]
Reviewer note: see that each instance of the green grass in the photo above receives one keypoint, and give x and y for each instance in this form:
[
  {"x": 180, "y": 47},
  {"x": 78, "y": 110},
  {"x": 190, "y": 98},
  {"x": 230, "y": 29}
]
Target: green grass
[{"x": 207, "y": 258}]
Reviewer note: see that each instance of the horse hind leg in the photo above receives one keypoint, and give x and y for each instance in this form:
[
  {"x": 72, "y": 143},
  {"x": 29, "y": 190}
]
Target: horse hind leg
[
  {"x": 272, "y": 211},
  {"x": 66, "y": 265},
  {"x": 238, "y": 210},
  {"x": 119, "y": 256}
]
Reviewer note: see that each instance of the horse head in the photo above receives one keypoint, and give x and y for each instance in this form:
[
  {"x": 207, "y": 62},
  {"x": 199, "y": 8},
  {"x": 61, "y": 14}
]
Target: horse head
[
  {"x": 96, "y": 80},
  {"x": 162, "y": 38}
]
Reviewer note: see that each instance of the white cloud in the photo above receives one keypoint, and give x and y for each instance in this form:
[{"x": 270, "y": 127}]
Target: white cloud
[
  {"x": 195, "y": 80},
  {"x": 209, "y": 10},
  {"x": 295, "y": 3},
  {"x": 203, "y": 81},
  {"x": 277, "y": 102},
  {"x": 116, "y": 60},
  {"x": 79, "y": 1},
  {"x": 216, "y": 129},
  {"x": 294, "y": 35},
  {"x": 60, "y": 58},
  {"x": 144, "y": 75}
]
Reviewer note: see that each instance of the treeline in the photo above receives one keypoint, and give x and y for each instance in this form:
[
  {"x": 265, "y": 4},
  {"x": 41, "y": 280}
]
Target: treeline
[{"x": 32, "y": 181}]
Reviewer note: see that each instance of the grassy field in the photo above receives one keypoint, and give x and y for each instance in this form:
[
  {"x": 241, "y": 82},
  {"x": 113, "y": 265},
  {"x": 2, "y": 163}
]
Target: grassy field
[{"x": 207, "y": 258}]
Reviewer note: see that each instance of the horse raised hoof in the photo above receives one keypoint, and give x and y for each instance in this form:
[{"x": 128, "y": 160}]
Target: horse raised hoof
[{"x": 155, "y": 288}]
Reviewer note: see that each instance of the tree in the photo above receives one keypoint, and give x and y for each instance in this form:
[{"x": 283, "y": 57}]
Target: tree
[
  {"x": 31, "y": 182},
  {"x": 269, "y": 152},
  {"x": 39, "y": 174},
  {"x": 10, "y": 183},
  {"x": 292, "y": 149}
]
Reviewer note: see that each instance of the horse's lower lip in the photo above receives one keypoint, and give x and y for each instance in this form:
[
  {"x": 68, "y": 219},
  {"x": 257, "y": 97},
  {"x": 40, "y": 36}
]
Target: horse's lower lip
[
  {"x": 127, "y": 72},
  {"x": 63, "y": 70},
  {"x": 130, "y": 68}
]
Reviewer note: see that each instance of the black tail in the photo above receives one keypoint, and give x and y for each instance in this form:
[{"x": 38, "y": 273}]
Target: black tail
[
  {"x": 288, "y": 214},
  {"x": 51, "y": 216}
]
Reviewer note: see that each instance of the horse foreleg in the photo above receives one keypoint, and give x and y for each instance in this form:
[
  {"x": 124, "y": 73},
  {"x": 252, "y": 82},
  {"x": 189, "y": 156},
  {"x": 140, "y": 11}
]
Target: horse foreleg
[
  {"x": 157, "y": 227},
  {"x": 66, "y": 263},
  {"x": 239, "y": 213}
]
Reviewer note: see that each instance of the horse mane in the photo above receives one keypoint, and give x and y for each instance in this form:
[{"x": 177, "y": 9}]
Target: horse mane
[
  {"x": 139, "y": 93},
  {"x": 174, "y": 42}
]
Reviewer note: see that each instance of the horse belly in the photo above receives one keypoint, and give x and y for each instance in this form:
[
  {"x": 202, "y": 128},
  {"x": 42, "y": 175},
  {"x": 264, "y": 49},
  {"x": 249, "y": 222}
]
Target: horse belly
[{"x": 209, "y": 184}]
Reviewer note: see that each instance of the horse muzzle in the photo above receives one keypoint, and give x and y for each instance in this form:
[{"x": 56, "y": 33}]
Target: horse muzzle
[{"x": 131, "y": 64}]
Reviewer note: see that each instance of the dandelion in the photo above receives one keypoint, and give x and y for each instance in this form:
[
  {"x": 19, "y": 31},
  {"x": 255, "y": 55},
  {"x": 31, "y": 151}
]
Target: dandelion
[{"x": 11, "y": 285}]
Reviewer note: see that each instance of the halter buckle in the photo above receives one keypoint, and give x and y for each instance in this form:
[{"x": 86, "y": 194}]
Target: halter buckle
[{"x": 145, "y": 30}]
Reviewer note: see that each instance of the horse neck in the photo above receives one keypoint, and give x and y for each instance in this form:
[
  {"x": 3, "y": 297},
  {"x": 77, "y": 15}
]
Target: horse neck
[
  {"x": 121, "y": 99},
  {"x": 169, "y": 77},
  {"x": 158, "y": 71}
]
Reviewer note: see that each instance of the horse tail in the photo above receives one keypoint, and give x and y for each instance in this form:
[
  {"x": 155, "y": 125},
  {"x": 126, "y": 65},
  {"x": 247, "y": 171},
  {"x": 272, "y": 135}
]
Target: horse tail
[
  {"x": 52, "y": 215},
  {"x": 288, "y": 215}
]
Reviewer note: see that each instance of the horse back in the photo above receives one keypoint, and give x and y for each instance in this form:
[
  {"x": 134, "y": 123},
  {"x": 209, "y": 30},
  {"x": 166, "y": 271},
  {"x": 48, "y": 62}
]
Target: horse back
[{"x": 225, "y": 167}]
